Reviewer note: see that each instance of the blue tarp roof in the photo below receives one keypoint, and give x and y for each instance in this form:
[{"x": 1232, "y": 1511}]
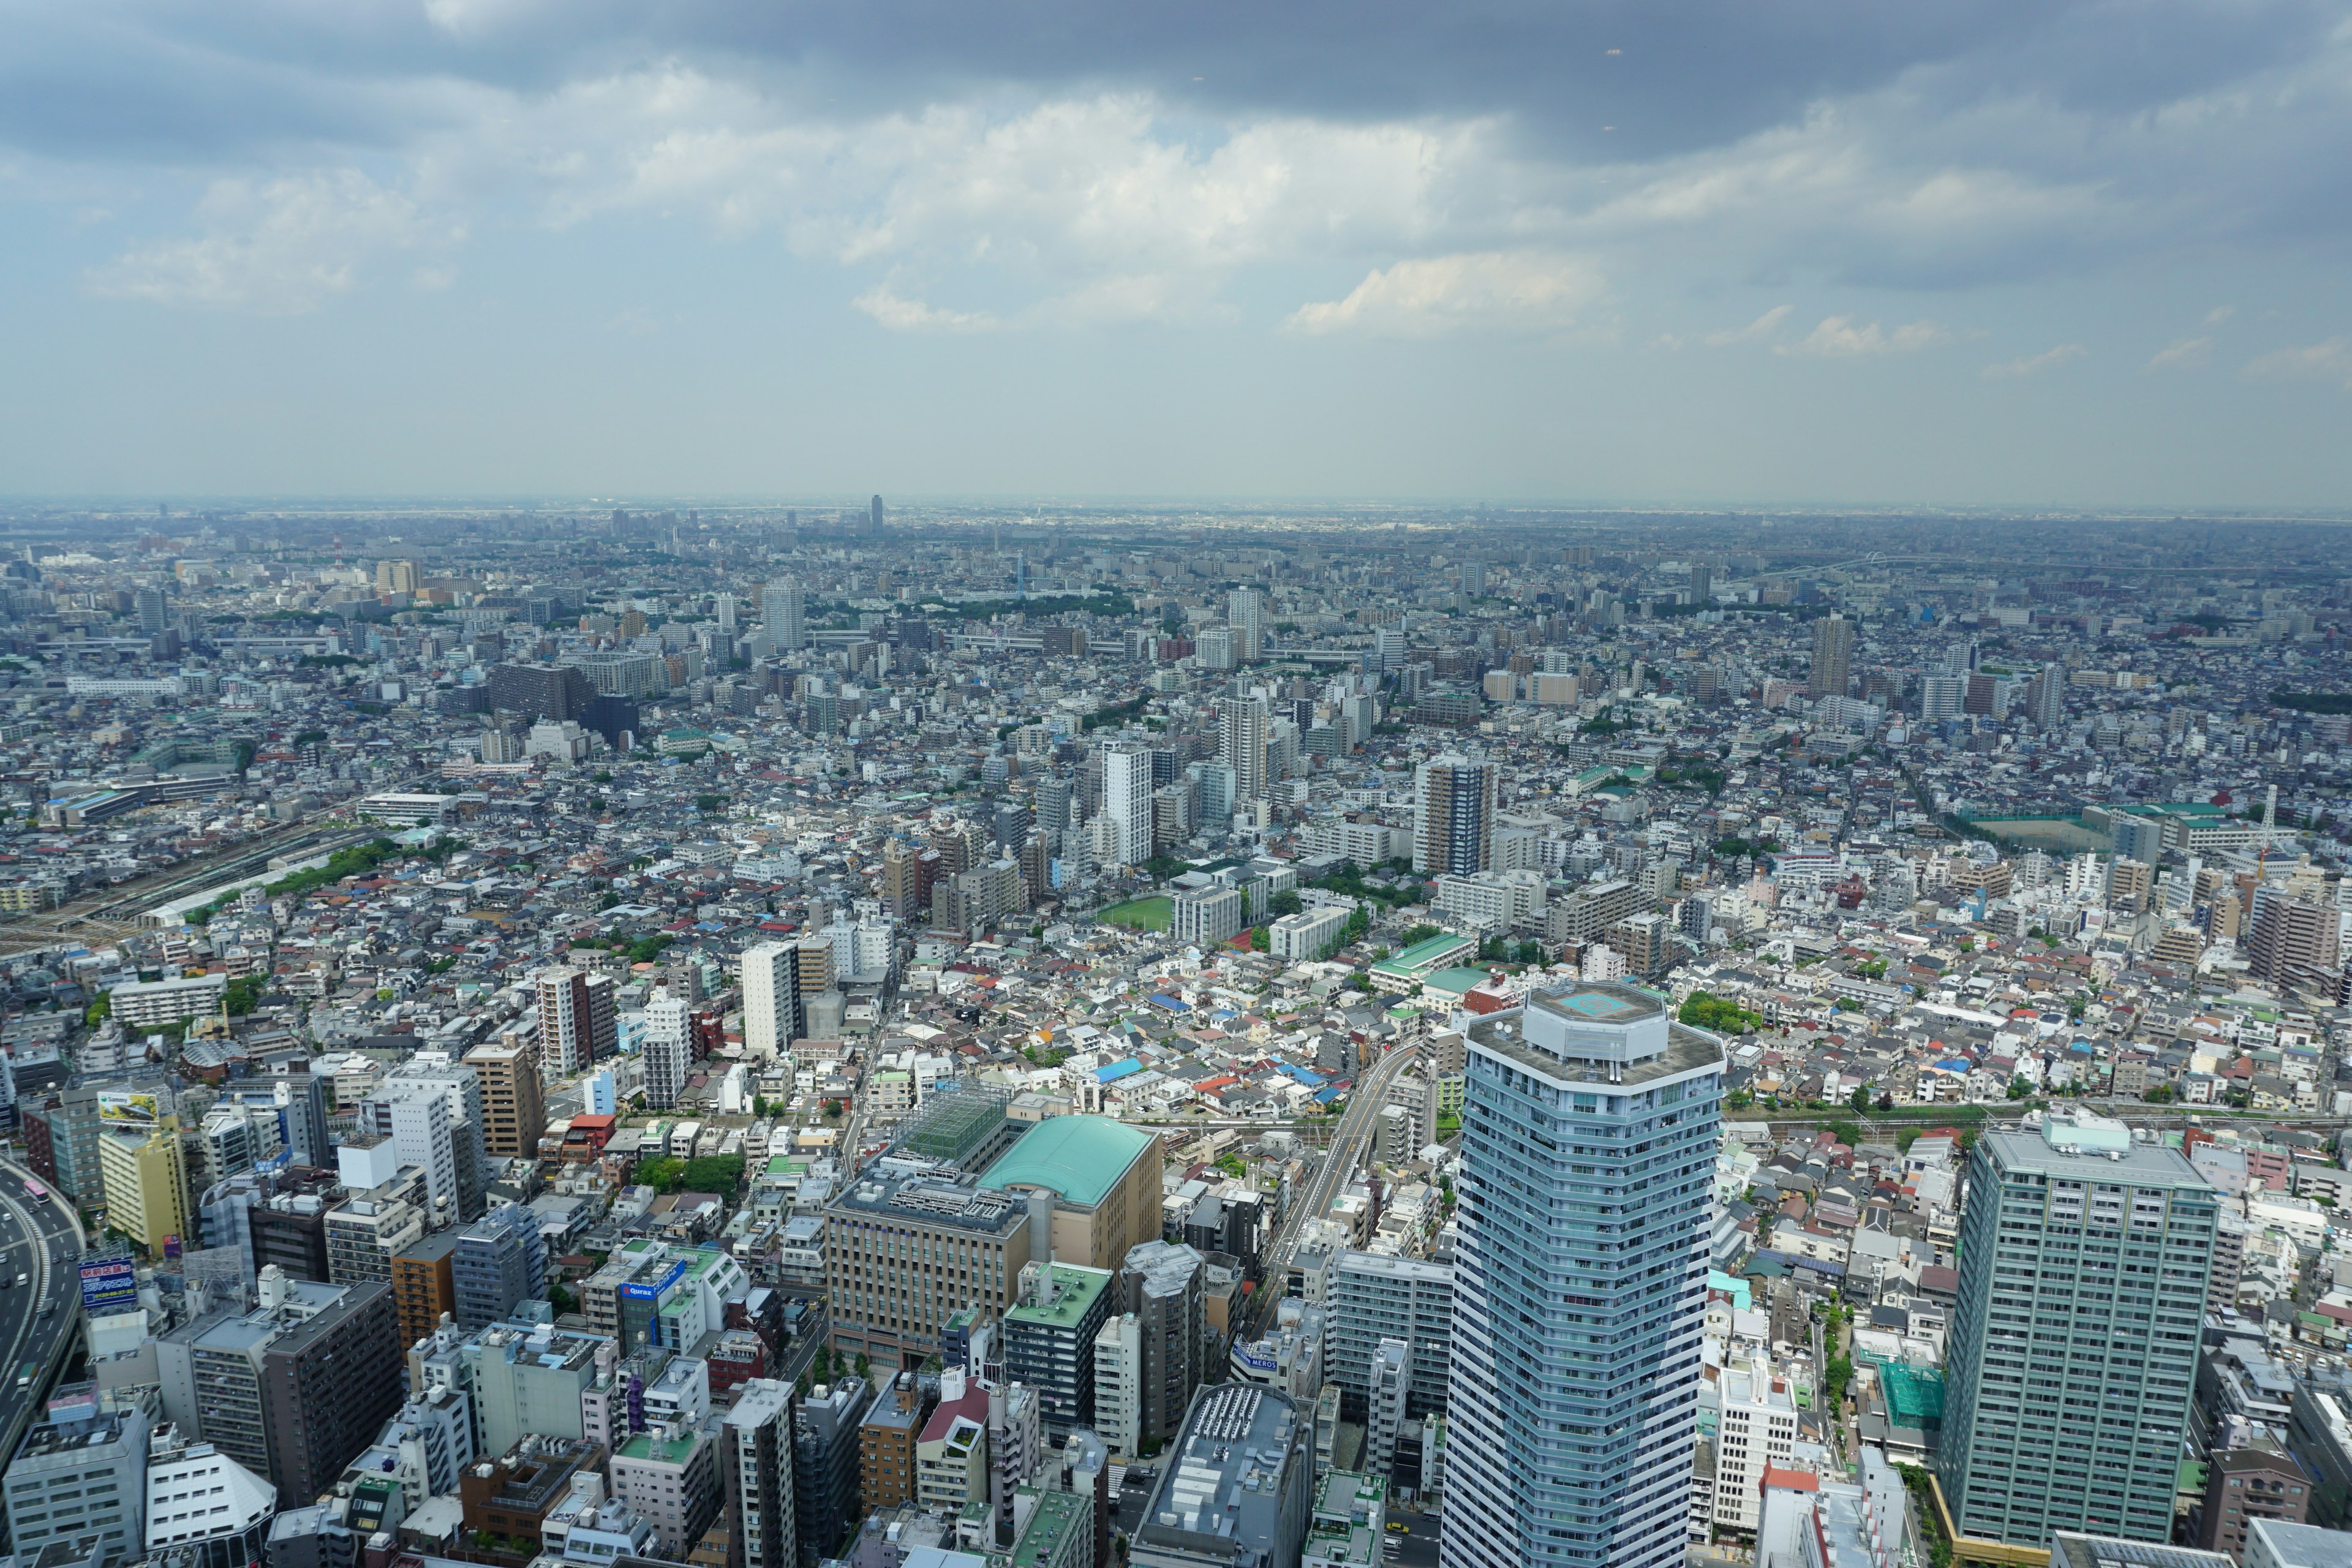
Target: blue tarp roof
[
  {"x": 1118, "y": 1070},
  {"x": 1172, "y": 1005},
  {"x": 1312, "y": 1080}
]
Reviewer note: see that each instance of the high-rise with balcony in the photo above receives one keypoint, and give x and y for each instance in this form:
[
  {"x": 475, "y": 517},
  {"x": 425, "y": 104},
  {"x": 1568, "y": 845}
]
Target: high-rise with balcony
[
  {"x": 1453, "y": 816},
  {"x": 1589, "y": 1129},
  {"x": 781, "y": 612},
  {"x": 577, "y": 1024},
  {"x": 514, "y": 1106},
  {"x": 1832, "y": 657},
  {"x": 2084, "y": 1257}
]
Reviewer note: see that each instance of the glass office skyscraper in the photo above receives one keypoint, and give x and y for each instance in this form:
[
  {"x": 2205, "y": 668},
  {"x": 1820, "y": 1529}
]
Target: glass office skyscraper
[
  {"x": 1588, "y": 1134},
  {"x": 2083, "y": 1263}
]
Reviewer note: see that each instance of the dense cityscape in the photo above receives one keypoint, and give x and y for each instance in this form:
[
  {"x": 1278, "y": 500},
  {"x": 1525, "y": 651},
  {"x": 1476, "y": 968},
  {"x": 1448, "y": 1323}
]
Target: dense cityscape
[{"x": 916, "y": 1037}]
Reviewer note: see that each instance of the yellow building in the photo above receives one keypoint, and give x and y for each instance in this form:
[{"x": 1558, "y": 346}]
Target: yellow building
[{"x": 146, "y": 1184}]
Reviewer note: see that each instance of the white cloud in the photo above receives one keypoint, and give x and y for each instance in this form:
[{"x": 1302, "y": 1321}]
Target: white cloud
[
  {"x": 1757, "y": 330},
  {"x": 276, "y": 248},
  {"x": 2330, "y": 360},
  {"x": 2184, "y": 353},
  {"x": 1516, "y": 291},
  {"x": 2219, "y": 314},
  {"x": 2034, "y": 364},
  {"x": 902, "y": 315},
  {"x": 1838, "y": 338}
]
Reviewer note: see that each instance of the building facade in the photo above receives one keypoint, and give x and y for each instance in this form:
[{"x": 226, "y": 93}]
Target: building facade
[
  {"x": 1590, "y": 1126},
  {"x": 2084, "y": 1257}
]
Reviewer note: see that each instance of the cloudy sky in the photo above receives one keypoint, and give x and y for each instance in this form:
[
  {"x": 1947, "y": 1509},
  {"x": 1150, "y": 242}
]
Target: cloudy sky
[{"x": 1813, "y": 250}]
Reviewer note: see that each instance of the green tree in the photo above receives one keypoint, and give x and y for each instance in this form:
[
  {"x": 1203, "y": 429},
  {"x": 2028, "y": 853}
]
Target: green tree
[
  {"x": 1859, "y": 1099},
  {"x": 1285, "y": 902},
  {"x": 1419, "y": 933}
]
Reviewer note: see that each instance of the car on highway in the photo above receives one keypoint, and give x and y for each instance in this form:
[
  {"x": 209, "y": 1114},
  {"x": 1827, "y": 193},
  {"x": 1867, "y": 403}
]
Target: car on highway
[
  {"x": 1399, "y": 1527},
  {"x": 22, "y": 1277}
]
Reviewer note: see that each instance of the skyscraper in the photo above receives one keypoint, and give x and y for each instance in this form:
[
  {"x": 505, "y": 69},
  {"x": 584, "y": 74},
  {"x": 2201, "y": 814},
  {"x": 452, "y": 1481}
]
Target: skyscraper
[
  {"x": 1453, "y": 816},
  {"x": 726, "y": 609},
  {"x": 874, "y": 515},
  {"x": 781, "y": 612},
  {"x": 1243, "y": 725},
  {"x": 1126, "y": 798},
  {"x": 757, "y": 1466},
  {"x": 577, "y": 1024},
  {"x": 1589, "y": 1129},
  {"x": 2084, "y": 1257},
  {"x": 2045, "y": 697},
  {"x": 1832, "y": 657},
  {"x": 668, "y": 1052},
  {"x": 1245, "y": 612},
  {"x": 771, "y": 998}
]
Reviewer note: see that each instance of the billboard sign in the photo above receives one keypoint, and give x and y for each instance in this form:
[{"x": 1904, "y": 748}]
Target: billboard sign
[
  {"x": 135, "y": 1108},
  {"x": 108, "y": 1284}
]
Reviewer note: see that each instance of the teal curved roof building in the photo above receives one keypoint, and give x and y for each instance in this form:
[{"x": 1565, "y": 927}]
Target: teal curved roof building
[{"x": 1078, "y": 1158}]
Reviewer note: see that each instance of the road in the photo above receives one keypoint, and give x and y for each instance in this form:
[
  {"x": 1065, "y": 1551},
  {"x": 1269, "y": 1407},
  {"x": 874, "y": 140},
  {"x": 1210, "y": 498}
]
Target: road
[
  {"x": 1349, "y": 1140},
  {"x": 39, "y": 1240}
]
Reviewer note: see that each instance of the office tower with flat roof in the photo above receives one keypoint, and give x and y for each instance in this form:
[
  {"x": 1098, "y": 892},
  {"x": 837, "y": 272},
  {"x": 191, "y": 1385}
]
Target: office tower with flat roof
[
  {"x": 1049, "y": 1341},
  {"x": 514, "y": 1102},
  {"x": 1236, "y": 1487},
  {"x": 1832, "y": 657},
  {"x": 1589, "y": 1129},
  {"x": 1453, "y": 816},
  {"x": 772, "y": 999},
  {"x": 82, "y": 1477},
  {"x": 551, "y": 691},
  {"x": 501, "y": 1262},
  {"x": 2083, "y": 1259}
]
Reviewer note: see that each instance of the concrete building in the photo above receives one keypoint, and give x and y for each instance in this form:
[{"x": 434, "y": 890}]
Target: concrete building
[
  {"x": 887, "y": 1440},
  {"x": 772, "y": 999},
  {"x": 292, "y": 1390},
  {"x": 578, "y": 1026},
  {"x": 1586, "y": 1087},
  {"x": 1103, "y": 1177},
  {"x": 1832, "y": 667},
  {"x": 2258, "y": 1481},
  {"x": 824, "y": 1465},
  {"x": 756, "y": 1462},
  {"x": 1369, "y": 1297},
  {"x": 1236, "y": 1487},
  {"x": 669, "y": 1476},
  {"x": 1162, "y": 1285},
  {"x": 1048, "y": 1336},
  {"x": 1119, "y": 1369},
  {"x": 80, "y": 1476},
  {"x": 203, "y": 1507},
  {"x": 500, "y": 1261},
  {"x": 424, "y": 1285},
  {"x": 972, "y": 1242},
  {"x": 2123, "y": 1232},
  {"x": 1453, "y": 816},
  {"x": 1755, "y": 1431},
  {"x": 146, "y": 1184},
  {"x": 514, "y": 1104}
]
